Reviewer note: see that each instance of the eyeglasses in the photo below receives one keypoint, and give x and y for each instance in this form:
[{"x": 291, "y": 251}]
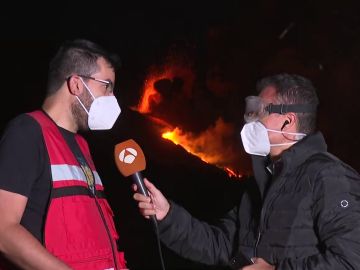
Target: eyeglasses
[{"x": 109, "y": 86}]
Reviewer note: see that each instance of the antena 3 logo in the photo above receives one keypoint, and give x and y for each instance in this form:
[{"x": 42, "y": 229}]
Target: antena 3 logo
[{"x": 128, "y": 155}]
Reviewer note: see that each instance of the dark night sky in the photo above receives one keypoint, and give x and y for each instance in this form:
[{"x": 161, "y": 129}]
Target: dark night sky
[{"x": 226, "y": 46}]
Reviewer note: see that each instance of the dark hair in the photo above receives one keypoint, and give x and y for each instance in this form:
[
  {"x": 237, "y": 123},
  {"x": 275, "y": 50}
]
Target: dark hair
[
  {"x": 294, "y": 89},
  {"x": 78, "y": 56}
]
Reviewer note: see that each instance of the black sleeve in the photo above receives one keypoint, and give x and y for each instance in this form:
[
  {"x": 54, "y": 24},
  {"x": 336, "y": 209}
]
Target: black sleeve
[
  {"x": 21, "y": 155},
  {"x": 196, "y": 240}
]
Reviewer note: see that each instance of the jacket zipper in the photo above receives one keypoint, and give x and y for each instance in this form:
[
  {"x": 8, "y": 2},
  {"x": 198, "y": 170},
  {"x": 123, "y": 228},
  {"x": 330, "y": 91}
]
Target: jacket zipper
[
  {"x": 107, "y": 230},
  {"x": 264, "y": 211},
  {"x": 257, "y": 242}
]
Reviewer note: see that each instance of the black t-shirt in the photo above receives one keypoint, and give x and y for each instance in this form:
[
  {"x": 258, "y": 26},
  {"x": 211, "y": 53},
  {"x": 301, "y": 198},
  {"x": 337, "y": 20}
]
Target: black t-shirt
[{"x": 25, "y": 168}]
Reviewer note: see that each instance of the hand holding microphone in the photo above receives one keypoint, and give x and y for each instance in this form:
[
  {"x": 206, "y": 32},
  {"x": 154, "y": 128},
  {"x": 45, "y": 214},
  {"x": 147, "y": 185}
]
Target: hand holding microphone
[
  {"x": 158, "y": 205},
  {"x": 130, "y": 160}
]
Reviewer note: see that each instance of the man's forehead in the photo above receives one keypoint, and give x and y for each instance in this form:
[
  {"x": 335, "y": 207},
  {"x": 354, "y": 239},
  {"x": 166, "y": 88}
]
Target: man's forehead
[
  {"x": 268, "y": 94},
  {"x": 105, "y": 69}
]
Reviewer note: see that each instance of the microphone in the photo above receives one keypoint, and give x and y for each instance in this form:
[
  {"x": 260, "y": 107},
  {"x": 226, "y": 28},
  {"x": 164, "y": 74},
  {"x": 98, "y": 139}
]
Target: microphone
[{"x": 130, "y": 160}]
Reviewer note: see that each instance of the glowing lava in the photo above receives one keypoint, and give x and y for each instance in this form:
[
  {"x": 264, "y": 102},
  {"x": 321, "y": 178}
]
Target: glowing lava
[
  {"x": 213, "y": 146},
  {"x": 203, "y": 146}
]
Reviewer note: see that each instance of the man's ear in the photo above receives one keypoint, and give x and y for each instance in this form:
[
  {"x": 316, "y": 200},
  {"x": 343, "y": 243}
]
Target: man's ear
[
  {"x": 285, "y": 124},
  {"x": 75, "y": 85},
  {"x": 289, "y": 121}
]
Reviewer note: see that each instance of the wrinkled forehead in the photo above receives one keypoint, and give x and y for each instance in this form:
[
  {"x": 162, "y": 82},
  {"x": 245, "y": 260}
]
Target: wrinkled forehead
[{"x": 268, "y": 95}]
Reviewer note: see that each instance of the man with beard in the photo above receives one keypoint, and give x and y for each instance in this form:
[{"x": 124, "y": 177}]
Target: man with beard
[{"x": 54, "y": 214}]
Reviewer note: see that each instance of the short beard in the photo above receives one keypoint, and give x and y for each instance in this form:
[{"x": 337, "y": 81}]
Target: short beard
[{"x": 79, "y": 114}]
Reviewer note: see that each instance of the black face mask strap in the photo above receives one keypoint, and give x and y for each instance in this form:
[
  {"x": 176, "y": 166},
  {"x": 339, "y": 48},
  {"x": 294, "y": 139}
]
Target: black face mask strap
[{"x": 296, "y": 108}]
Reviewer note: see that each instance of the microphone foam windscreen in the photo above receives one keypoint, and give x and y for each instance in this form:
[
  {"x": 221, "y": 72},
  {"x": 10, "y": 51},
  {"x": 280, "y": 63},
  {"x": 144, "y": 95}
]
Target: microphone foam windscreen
[{"x": 129, "y": 157}]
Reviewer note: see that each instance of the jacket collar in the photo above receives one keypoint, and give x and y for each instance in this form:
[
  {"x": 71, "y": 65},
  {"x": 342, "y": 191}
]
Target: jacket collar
[
  {"x": 289, "y": 160},
  {"x": 302, "y": 150}
]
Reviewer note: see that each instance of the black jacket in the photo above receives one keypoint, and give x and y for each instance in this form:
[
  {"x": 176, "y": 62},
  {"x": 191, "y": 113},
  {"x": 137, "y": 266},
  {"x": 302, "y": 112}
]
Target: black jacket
[{"x": 303, "y": 212}]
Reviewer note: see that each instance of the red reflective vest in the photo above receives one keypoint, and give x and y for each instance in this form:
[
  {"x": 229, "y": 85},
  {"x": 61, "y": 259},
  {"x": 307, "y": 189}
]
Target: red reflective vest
[{"x": 79, "y": 227}]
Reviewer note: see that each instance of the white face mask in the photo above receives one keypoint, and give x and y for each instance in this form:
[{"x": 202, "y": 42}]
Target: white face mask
[
  {"x": 255, "y": 138},
  {"x": 103, "y": 111}
]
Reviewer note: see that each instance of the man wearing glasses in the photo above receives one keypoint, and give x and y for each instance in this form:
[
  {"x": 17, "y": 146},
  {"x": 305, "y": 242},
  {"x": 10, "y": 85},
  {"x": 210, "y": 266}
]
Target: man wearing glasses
[
  {"x": 53, "y": 210},
  {"x": 302, "y": 210}
]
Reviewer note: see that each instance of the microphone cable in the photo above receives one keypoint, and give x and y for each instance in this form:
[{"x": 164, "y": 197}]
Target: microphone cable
[{"x": 156, "y": 227}]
